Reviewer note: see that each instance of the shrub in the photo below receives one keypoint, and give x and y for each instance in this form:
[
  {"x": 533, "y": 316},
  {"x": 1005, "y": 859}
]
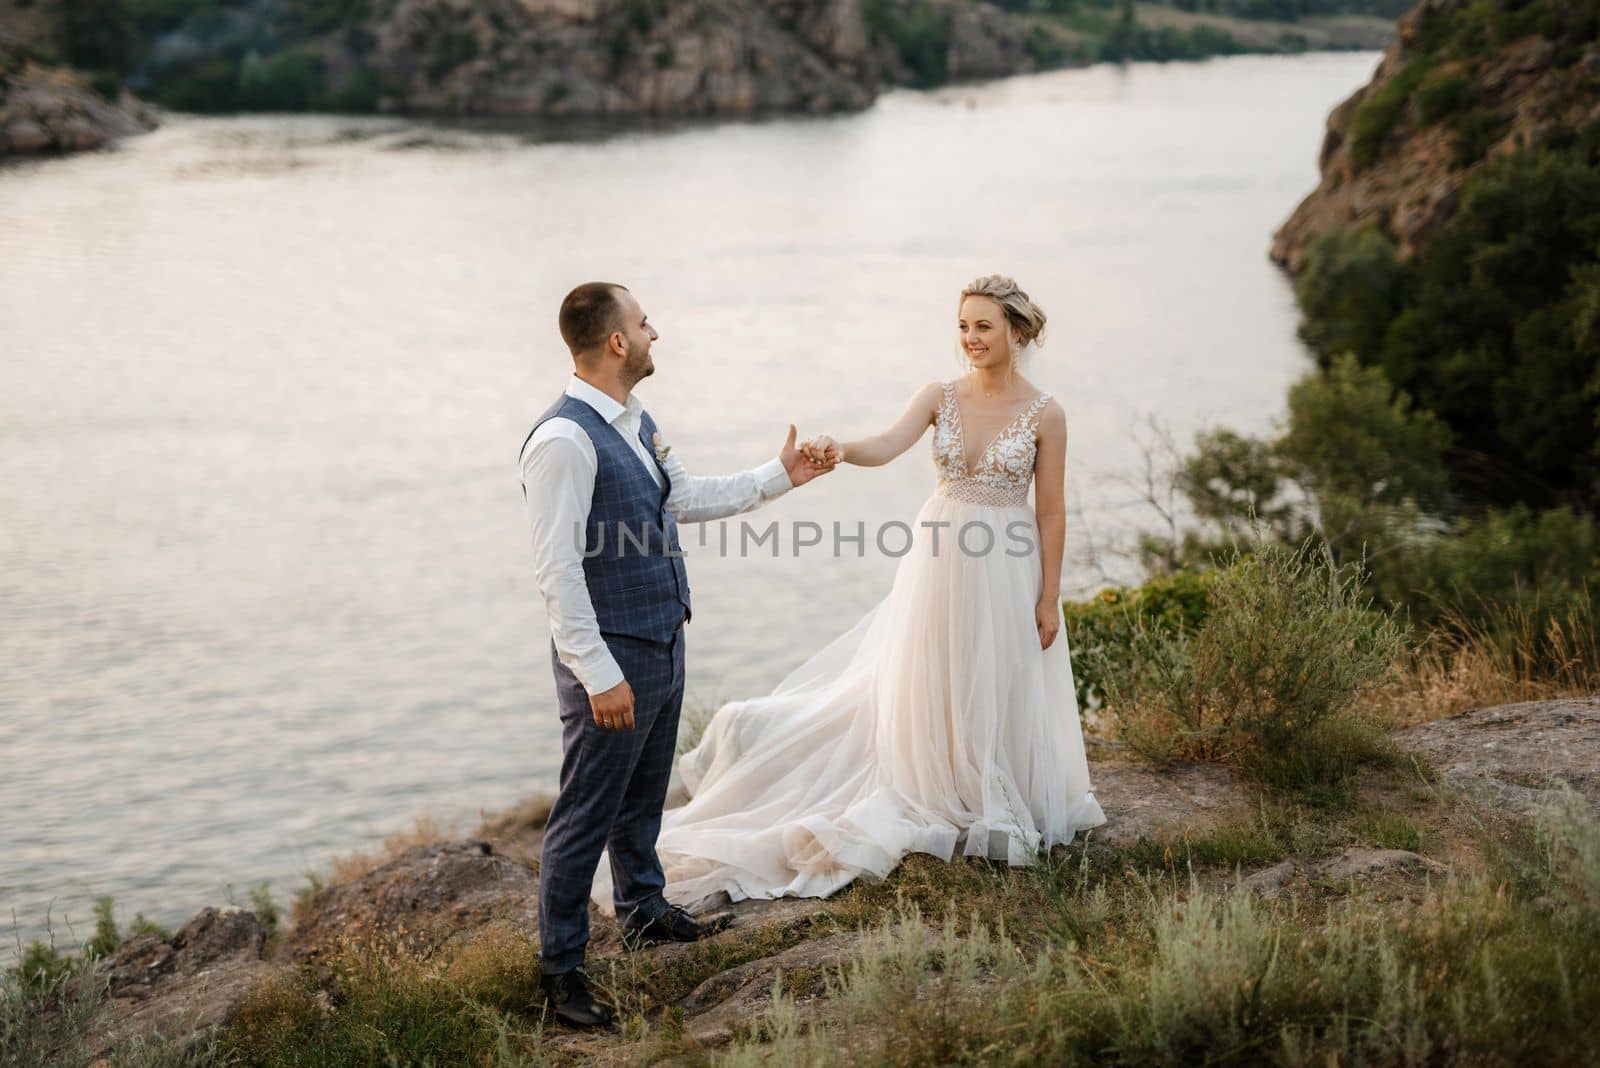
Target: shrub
[
  {"x": 1351, "y": 432},
  {"x": 1496, "y": 334},
  {"x": 1476, "y": 132},
  {"x": 919, "y": 33},
  {"x": 1352, "y": 287},
  {"x": 1045, "y": 46},
  {"x": 362, "y": 92},
  {"x": 288, "y": 81},
  {"x": 390, "y": 1008},
  {"x": 1444, "y": 93},
  {"x": 453, "y": 48},
  {"x": 1268, "y": 677},
  {"x": 1377, "y": 116},
  {"x": 1488, "y": 565},
  {"x": 1102, "y": 629},
  {"x": 96, "y": 35}
]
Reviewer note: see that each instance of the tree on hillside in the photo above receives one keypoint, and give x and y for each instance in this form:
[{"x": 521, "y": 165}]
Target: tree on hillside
[{"x": 96, "y": 35}]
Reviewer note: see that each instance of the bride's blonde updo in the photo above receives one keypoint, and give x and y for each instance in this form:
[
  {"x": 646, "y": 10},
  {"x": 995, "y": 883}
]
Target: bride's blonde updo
[{"x": 1025, "y": 318}]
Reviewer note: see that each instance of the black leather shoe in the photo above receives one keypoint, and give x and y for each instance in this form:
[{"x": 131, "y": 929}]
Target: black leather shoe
[
  {"x": 568, "y": 997},
  {"x": 674, "y": 925}
]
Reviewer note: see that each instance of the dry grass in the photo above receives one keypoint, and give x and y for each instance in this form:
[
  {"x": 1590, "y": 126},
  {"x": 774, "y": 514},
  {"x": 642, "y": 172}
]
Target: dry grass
[
  {"x": 427, "y": 830},
  {"x": 521, "y": 820},
  {"x": 1492, "y": 969},
  {"x": 1465, "y": 664},
  {"x": 518, "y": 831}
]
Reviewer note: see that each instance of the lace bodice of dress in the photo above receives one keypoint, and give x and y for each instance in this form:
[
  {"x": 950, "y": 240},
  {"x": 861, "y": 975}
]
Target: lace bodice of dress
[{"x": 1003, "y": 471}]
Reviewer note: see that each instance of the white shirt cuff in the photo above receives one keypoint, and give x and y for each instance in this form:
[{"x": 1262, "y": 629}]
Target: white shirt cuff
[
  {"x": 773, "y": 478},
  {"x": 598, "y": 673}
]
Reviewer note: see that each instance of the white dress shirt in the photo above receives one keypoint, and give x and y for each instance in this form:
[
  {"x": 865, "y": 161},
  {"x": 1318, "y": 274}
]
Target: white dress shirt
[{"x": 558, "y": 471}]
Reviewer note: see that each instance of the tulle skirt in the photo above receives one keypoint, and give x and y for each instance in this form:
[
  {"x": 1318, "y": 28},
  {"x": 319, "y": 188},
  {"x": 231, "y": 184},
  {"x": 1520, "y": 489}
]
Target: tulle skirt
[{"x": 935, "y": 725}]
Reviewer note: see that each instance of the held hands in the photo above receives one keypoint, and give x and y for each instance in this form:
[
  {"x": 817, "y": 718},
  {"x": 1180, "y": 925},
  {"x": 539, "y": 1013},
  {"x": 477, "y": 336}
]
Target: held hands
[
  {"x": 1047, "y": 617},
  {"x": 823, "y": 449},
  {"x": 804, "y": 463},
  {"x": 613, "y": 709}
]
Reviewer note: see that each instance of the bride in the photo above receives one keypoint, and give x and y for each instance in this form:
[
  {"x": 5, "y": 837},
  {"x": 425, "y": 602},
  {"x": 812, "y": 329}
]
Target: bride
[{"x": 944, "y": 721}]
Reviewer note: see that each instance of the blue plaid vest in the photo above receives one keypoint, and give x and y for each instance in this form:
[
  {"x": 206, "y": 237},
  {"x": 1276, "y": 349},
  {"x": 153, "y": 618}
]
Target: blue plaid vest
[{"x": 632, "y": 564}]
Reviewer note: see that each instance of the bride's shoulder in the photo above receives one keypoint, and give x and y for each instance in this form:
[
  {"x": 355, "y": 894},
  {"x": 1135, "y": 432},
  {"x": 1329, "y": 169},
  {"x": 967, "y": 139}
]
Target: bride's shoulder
[
  {"x": 1052, "y": 417},
  {"x": 930, "y": 396}
]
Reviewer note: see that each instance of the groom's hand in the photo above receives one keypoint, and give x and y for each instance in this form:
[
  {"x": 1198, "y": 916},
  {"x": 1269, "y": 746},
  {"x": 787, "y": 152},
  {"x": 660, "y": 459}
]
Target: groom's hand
[
  {"x": 613, "y": 709},
  {"x": 801, "y": 468}
]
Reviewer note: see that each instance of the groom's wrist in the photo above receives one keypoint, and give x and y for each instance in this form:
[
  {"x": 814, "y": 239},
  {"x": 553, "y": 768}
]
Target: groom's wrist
[
  {"x": 773, "y": 478},
  {"x": 599, "y": 674}
]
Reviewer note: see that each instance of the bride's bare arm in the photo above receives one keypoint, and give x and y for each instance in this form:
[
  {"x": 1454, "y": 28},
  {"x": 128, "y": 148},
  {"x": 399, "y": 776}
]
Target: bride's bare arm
[
  {"x": 1050, "y": 505},
  {"x": 879, "y": 449}
]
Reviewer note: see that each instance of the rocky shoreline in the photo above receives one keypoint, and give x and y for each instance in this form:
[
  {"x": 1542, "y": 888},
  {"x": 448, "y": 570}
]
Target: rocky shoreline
[
  {"x": 52, "y": 109},
  {"x": 581, "y": 58},
  {"x": 443, "y": 895}
]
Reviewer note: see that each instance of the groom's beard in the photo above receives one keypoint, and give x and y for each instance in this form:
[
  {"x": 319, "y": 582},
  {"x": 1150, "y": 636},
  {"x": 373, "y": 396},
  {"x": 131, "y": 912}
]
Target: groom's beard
[{"x": 637, "y": 372}]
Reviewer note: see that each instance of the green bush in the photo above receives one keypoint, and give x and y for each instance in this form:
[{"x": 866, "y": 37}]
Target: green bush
[
  {"x": 1497, "y": 336},
  {"x": 1377, "y": 116},
  {"x": 95, "y": 35},
  {"x": 1101, "y": 629},
  {"x": 1492, "y": 325},
  {"x": 1046, "y": 48},
  {"x": 288, "y": 81},
  {"x": 920, "y": 34},
  {"x": 1267, "y": 678},
  {"x": 1350, "y": 433},
  {"x": 209, "y": 86},
  {"x": 361, "y": 93},
  {"x": 1444, "y": 93},
  {"x": 453, "y": 48},
  {"x": 1491, "y": 568},
  {"x": 1362, "y": 472},
  {"x": 1476, "y": 132},
  {"x": 1350, "y": 290},
  {"x": 304, "y": 19}
]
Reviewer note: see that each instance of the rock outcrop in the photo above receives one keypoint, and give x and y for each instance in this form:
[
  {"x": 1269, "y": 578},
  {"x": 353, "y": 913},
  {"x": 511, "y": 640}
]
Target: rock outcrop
[
  {"x": 1397, "y": 152},
  {"x": 609, "y": 57},
  {"x": 184, "y": 987},
  {"x": 45, "y": 108},
  {"x": 51, "y": 109},
  {"x": 428, "y": 897},
  {"x": 1141, "y": 801},
  {"x": 1511, "y": 755}
]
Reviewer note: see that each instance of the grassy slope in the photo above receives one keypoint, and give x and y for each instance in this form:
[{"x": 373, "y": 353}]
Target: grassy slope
[
  {"x": 1337, "y": 31},
  {"x": 1081, "y": 32}
]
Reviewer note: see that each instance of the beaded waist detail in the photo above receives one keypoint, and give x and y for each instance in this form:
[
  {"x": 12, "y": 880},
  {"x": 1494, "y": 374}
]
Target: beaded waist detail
[{"x": 978, "y": 491}]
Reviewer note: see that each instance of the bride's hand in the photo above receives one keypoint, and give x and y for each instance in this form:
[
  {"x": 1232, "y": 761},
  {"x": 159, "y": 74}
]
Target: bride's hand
[
  {"x": 1047, "y": 617},
  {"x": 822, "y": 449}
]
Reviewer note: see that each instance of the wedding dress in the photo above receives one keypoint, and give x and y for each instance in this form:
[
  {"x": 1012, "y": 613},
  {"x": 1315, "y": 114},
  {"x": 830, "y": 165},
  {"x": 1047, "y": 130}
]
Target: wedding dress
[{"x": 935, "y": 725}]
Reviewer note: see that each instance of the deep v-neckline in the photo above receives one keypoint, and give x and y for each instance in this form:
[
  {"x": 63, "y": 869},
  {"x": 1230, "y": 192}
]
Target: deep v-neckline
[{"x": 968, "y": 471}]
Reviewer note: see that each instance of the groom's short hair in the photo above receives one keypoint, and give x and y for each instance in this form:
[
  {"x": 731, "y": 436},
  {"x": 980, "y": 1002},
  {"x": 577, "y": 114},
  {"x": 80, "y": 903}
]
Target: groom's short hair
[{"x": 589, "y": 315}]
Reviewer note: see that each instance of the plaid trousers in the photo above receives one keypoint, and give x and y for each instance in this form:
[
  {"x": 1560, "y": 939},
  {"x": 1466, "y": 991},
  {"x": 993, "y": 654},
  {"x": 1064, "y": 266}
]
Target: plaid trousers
[{"x": 613, "y": 787}]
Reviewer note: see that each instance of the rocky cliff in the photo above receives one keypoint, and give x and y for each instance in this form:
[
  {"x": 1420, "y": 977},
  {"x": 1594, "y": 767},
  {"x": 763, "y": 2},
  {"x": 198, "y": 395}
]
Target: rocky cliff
[
  {"x": 608, "y": 57},
  {"x": 1462, "y": 83},
  {"x": 53, "y": 108},
  {"x": 588, "y": 57}
]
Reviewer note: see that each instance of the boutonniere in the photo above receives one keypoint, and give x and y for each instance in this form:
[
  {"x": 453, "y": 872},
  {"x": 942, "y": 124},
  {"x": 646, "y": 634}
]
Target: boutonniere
[{"x": 661, "y": 449}]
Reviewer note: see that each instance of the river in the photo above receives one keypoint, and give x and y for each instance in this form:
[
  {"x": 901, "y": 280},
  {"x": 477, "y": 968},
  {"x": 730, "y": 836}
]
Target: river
[{"x": 265, "y": 590}]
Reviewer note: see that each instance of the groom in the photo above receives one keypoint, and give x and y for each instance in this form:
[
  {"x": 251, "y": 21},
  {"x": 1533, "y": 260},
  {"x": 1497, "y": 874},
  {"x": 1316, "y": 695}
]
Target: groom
[{"x": 605, "y": 497}]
